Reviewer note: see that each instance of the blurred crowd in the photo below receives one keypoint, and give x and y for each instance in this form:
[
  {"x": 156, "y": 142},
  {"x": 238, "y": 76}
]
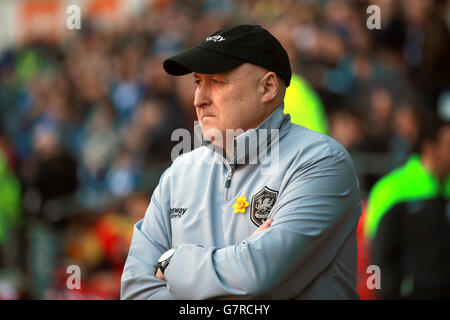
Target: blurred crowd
[{"x": 86, "y": 121}]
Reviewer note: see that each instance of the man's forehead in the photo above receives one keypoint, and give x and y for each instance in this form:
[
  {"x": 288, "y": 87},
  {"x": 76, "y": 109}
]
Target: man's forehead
[{"x": 242, "y": 69}]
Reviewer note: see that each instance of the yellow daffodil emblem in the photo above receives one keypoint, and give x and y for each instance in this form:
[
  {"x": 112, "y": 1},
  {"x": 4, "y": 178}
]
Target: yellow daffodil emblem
[{"x": 240, "y": 205}]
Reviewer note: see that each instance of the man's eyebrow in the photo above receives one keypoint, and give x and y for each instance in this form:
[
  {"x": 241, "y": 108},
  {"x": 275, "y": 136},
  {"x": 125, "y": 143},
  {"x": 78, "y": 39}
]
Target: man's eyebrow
[{"x": 221, "y": 75}]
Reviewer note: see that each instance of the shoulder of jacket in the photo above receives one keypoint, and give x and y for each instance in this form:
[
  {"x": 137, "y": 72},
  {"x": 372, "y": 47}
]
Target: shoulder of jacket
[
  {"x": 196, "y": 156},
  {"x": 316, "y": 144}
]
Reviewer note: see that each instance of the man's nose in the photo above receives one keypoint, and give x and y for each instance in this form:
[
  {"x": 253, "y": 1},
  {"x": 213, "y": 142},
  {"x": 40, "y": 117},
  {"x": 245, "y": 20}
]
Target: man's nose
[{"x": 202, "y": 96}]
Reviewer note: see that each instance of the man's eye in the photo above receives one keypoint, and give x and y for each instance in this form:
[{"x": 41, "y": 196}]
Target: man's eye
[
  {"x": 197, "y": 82},
  {"x": 217, "y": 81}
]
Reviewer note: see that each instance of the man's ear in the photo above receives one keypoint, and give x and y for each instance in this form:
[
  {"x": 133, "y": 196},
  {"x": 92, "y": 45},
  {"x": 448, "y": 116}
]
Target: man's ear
[{"x": 269, "y": 87}]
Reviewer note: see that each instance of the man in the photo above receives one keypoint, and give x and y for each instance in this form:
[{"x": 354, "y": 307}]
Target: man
[
  {"x": 408, "y": 220},
  {"x": 223, "y": 221},
  {"x": 424, "y": 176}
]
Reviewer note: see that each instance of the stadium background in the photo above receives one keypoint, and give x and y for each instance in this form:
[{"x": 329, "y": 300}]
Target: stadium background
[{"x": 86, "y": 115}]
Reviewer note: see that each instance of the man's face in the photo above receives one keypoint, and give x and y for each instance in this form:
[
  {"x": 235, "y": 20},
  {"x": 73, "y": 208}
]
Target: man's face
[{"x": 229, "y": 100}]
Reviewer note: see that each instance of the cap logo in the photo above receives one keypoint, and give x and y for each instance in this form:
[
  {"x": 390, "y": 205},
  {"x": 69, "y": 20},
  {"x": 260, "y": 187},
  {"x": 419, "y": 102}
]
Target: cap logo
[{"x": 215, "y": 38}]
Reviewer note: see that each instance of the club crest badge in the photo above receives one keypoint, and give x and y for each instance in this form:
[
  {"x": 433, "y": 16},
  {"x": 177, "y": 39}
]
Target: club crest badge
[{"x": 262, "y": 203}]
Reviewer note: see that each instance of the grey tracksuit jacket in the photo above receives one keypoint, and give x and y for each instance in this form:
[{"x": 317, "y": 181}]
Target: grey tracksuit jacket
[{"x": 311, "y": 192}]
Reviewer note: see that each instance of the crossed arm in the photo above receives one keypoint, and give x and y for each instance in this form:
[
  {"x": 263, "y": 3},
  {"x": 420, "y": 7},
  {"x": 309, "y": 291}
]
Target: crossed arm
[
  {"x": 262, "y": 227},
  {"x": 311, "y": 219}
]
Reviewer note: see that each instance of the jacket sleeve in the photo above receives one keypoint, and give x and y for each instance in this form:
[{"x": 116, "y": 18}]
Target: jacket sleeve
[
  {"x": 151, "y": 238},
  {"x": 313, "y": 216}
]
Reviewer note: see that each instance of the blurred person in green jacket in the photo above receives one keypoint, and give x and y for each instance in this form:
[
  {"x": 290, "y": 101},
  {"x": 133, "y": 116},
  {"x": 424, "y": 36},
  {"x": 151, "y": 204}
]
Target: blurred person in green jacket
[
  {"x": 408, "y": 220},
  {"x": 304, "y": 105},
  {"x": 10, "y": 201},
  {"x": 301, "y": 100}
]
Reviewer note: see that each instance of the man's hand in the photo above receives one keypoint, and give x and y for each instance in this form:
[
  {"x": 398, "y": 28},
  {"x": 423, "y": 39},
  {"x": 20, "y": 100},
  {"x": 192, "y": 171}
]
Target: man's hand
[
  {"x": 160, "y": 275},
  {"x": 264, "y": 226}
]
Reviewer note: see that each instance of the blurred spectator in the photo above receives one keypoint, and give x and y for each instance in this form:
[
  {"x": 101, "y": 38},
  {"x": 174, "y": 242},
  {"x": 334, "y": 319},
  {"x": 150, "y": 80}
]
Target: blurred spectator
[
  {"x": 126, "y": 90},
  {"x": 49, "y": 176},
  {"x": 407, "y": 121},
  {"x": 304, "y": 106},
  {"x": 409, "y": 224},
  {"x": 427, "y": 47},
  {"x": 300, "y": 101},
  {"x": 380, "y": 113},
  {"x": 100, "y": 147},
  {"x": 346, "y": 128},
  {"x": 10, "y": 214}
]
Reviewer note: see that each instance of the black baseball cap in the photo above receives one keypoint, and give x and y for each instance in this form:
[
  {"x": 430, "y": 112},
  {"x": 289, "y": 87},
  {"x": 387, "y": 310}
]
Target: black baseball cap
[{"x": 228, "y": 48}]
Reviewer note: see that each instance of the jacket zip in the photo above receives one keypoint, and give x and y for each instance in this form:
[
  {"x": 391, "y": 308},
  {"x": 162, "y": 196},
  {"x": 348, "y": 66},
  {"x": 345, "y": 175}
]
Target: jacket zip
[
  {"x": 230, "y": 175},
  {"x": 227, "y": 183}
]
